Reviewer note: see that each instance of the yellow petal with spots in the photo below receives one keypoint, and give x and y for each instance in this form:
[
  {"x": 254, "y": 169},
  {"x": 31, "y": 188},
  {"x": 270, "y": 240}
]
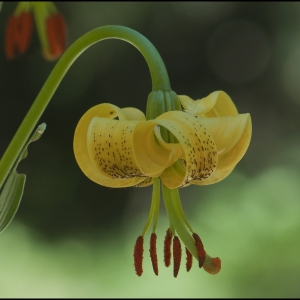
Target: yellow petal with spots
[
  {"x": 232, "y": 136},
  {"x": 198, "y": 147},
  {"x": 214, "y": 178},
  {"x": 111, "y": 148},
  {"x": 226, "y": 131},
  {"x": 85, "y": 162},
  {"x": 153, "y": 156}
]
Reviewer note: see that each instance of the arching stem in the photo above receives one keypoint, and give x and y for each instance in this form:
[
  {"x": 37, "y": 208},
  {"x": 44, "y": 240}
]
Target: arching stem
[{"x": 159, "y": 76}]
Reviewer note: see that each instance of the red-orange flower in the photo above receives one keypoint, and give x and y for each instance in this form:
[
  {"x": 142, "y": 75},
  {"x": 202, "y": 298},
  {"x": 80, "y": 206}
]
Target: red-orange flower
[
  {"x": 50, "y": 25},
  {"x": 18, "y": 34},
  {"x": 56, "y": 33}
]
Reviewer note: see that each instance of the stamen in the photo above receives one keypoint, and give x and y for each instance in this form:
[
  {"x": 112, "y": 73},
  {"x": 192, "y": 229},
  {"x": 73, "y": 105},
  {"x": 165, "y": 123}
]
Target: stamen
[
  {"x": 200, "y": 249},
  {"x": 138, "y": 255},
  {"x": 212, "y": 265},
  {"x": 189, "y": 260},
  {"x": 167, "y": 248},
  {"x": 176, "y": 255},
  {"x": 153, "y": 253}
]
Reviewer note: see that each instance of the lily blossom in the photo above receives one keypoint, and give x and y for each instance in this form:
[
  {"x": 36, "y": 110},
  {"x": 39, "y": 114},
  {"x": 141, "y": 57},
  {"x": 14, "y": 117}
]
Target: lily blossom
[{"x": 119, "y": 148}]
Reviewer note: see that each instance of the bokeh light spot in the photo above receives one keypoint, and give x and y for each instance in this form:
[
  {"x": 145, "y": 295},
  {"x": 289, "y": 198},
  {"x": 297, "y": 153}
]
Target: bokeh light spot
[
  {"x": 291, "y": 74},
  {"x": 238, "y": 51}
]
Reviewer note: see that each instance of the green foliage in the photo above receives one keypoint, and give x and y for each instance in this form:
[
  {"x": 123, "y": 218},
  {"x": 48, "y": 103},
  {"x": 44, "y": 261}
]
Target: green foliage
[{"x": 12, "y": 191}]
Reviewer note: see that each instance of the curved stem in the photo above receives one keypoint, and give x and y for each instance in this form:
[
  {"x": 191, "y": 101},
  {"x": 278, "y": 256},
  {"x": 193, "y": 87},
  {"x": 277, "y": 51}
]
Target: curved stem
[{"x": 159, "y": 76}]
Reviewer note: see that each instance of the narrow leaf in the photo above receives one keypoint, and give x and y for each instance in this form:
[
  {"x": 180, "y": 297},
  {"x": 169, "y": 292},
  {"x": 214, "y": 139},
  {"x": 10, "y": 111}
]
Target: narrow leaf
[{"x": 12, "y": 191}]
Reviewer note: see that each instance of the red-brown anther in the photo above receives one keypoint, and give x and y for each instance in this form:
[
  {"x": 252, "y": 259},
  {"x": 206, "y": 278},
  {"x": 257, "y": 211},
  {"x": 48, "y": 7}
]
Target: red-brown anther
[
  {"x": 200, "y": 249},
  {"x": 138, "y": 255},
  {"x": 153, "y": 253},
  {"x": 56, "y": 33},
  {"x": 18, "y": 34},
  {"x": 189, "y": 260},
  {"x": 176, "y": 255},
  {"x": 167, "y": 248}
]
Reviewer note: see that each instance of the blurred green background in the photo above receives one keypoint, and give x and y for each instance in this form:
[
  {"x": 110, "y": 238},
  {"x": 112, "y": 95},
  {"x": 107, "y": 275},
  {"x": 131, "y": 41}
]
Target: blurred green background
[{"x": 73, "y": 238}]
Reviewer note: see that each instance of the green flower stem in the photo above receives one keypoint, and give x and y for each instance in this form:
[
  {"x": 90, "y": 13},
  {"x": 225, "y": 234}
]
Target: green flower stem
[
  {"x": 175, "y": 217},
  {"x": 154, "y": 210},
  {"x": 159, "y": 76}
]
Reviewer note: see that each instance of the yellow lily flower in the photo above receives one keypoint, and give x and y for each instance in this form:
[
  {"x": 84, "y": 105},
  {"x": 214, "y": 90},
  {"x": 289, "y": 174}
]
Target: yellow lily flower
[{"x": 119, "y": 148}]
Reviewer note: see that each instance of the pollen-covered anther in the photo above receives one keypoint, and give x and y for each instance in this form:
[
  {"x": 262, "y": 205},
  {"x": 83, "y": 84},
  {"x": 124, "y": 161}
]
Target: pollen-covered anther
[
  {"x": 138, "y": 255},
  {"x": 189, "y": 259},
  {"x": 176, "y": 255},
  {"x": 153, "y": 253},
  {"x": 167, "y": 248},
  {"x": 200, "y": 249}
]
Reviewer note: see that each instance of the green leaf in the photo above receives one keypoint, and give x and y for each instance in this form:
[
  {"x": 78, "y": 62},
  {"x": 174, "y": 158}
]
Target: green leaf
[{"x": 12, "y": 191}]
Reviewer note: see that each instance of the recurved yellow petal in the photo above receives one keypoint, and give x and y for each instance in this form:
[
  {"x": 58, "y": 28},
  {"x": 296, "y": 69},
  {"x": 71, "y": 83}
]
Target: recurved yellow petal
[
  {"x": 198, "y": 107},
  {"x": 214, "y": 178},
  {"x": 132, "y": 113},
  {"x": 214, "y": 105},
  {"x": 240, "y": 138},
  {"x": 224, "y": 106},
  {"x": 226, "y": 131},
  {"x": 199, "y": 150},
  {"x": 111, "y": 150},
  {"x": 230, "y": 158},
  {"x": 83, "y": 158},
  {"x": 153, "y": 156}
]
